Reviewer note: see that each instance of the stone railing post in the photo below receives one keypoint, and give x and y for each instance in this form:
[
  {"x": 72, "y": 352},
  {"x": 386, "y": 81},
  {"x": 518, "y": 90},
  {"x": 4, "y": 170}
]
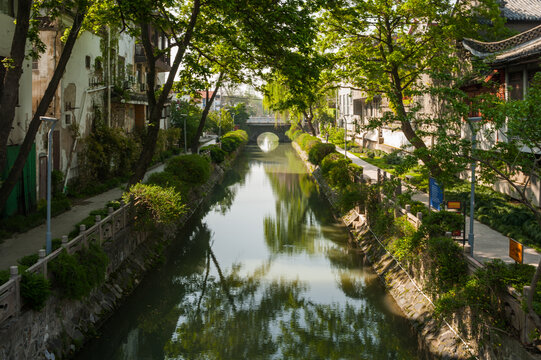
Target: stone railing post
[
  {"x": 42, "y": 254},
  {"x": 110, "y": 210},
  {"x": 14, "y": 275},
  {"x": 82, "y": 232},
  {"x": 420, "y": 219},
  {"x": 408, "y": 208},
  {"x": 65, "y": 241},
  {"x": 100, "y": 229},
  {"x": 123, "y": 205}
]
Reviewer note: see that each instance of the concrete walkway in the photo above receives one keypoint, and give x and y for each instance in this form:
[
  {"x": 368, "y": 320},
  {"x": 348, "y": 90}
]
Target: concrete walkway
[
  {"x": 31, "y": 241},
  {"x": 488, "y": 243}
]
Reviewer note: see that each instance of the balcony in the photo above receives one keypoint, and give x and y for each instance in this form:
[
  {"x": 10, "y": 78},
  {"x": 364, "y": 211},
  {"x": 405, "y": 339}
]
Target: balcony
[{"x": 162, "y": 63}]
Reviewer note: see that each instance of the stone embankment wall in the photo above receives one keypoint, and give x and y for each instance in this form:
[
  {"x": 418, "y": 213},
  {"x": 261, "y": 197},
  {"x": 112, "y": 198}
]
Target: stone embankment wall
[
  {"x": 63, "y": 325},
  {"x": 438, "y": 339}
]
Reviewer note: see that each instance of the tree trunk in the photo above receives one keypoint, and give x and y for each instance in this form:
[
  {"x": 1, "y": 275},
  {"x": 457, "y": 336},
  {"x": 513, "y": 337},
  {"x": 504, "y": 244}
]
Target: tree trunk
[
  {"x": 26, "y": 146},
  {"x": 10, "y": 81},
  {"x": 156, "y": 106},
  {"x": 419, "y": 145},
  {"x": 309, "y": 118},
  {"x": 195, "y": 142}
]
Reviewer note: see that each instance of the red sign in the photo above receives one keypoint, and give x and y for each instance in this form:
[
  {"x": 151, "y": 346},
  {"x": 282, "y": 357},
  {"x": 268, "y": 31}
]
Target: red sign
[
  {"x": 454, "y": 205},
  {"x": 516, "y": 251}
]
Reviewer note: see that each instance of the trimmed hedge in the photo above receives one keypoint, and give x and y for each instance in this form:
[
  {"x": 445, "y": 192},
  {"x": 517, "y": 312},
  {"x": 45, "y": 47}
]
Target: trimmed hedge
[
  {"x": 192, "y": 168},
  {"x": 319, "y": 151},
  {"x": 217, "y": 155},
  {"x": 233, "y": 139}
]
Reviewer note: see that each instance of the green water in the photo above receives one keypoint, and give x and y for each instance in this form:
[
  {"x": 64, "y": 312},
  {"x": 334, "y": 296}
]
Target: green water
[{"x": 262, "y": 272}]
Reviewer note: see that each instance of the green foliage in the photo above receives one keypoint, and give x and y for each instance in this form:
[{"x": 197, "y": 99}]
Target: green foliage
[
  {"x": 4, "y": 276},
  {"x": 293, "y": 133},
  {"x": 219, "y": 122},
  {"x": 183, "y": 111},
  {"x": 76, "y": 275},
  {"x": 191, "y": 168},
  {"x": 35, "y": 290},
  {"x": 500, "y": 213},
  {"x": 28, "y": 260},
  {"x": 217, "y": 155},
  {"x": 233, "y": 139},
  {"x": 393, "y": 158},
  {"x": 437, "y": 223},
  {"x": 319, "y": 151},
  {"x": 307, "y": 141},
  {"x": 448, "y": 265},
  {"x": 328, "y": 161},
  {"x": 166, "y": 144},
  {"x": 107, "y": 153},
  {"x": 336, "y": 136},
  {"x": 154, "y": 204},
  {"x": 350, "y": 196},
  {"x": 240, "y": 114}
]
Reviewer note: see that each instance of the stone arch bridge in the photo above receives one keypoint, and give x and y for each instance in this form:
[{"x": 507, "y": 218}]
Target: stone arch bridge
[{"x": 258, "y": 125}]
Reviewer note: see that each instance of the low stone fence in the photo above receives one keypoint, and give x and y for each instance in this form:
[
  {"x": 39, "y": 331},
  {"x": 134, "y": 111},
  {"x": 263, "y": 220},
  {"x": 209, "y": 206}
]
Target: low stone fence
[{"x": 104, "y": 230}]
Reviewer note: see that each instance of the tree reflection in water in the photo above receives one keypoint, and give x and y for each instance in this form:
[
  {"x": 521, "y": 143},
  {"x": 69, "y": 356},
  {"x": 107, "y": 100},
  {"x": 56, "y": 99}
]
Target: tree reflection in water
[{"x": 248, "y": 317}]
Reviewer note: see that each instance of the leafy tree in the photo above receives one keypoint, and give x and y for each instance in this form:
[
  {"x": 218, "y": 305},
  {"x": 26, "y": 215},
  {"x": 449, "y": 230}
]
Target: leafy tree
[
  {"x": 26, "y": 27},
  {"x": 402, "y": 50},
  {"x": 302, "y": 88},
  {"x": 180, "y": 111},
  {"x": 219, "y": 122},
  {"x": 240, "y": 114}
]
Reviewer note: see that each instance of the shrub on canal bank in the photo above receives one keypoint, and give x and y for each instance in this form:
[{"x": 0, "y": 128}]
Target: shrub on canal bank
[
  {"x": 192, "y": 168},
  {"x": 154, "y": 204},
  {"x": 35, "y": 290},
  {"x": 233, "y": 139},
  {"x": 76, "y": 275},
  {"x": 319, "y": 151}
]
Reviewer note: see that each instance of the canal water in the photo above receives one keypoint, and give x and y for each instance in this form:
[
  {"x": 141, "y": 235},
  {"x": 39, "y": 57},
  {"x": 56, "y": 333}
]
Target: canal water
[{"x": 262, "y": 271}]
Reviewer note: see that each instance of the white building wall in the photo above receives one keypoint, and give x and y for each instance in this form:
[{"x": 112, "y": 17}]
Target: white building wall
[{"x": 23, "y": 113}]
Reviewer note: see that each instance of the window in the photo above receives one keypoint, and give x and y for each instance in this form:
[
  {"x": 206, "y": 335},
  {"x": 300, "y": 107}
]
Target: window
[
  {"x": 7, "y": 7},
  {"x": 515, "y": 86},
  {"x": 87, "y": 61},
  {"x": 68, "y": 119}
]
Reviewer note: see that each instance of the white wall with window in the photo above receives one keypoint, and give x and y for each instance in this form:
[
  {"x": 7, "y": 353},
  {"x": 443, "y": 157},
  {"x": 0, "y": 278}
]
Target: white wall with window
[{"x": 23, "y": 112}]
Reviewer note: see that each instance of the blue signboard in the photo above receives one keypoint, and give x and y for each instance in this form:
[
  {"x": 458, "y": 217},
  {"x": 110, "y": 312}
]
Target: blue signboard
[{"x": 435, "y": 194}]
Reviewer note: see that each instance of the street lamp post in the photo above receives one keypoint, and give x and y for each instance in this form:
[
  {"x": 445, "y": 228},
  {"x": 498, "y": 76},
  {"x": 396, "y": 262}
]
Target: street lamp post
[
  {"x": 471, "y": 236},
  {"x": 345, "y": 136},
  {"x": 53, "y": 121},
  {"x": 185, "y": 145}
]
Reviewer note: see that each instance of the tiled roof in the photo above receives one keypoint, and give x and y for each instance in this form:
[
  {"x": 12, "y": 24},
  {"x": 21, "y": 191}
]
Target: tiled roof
[
  {"x": 516, "y": 47},
  {"x": 525, "y": 10}
]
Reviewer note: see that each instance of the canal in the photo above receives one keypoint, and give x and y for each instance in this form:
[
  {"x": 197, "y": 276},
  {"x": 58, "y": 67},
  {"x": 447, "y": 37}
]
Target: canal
[{"x": 262, "y": 271}]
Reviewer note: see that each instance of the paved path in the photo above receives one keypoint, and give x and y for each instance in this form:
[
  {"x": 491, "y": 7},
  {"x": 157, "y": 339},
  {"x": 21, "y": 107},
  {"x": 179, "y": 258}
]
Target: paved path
[
  {"x": 31, "y": 241},
  {"x": 488, "y": 243}
]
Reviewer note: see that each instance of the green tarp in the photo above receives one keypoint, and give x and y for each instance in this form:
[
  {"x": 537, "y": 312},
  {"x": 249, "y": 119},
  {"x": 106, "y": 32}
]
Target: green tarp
[{"x": 23, "y": 197}]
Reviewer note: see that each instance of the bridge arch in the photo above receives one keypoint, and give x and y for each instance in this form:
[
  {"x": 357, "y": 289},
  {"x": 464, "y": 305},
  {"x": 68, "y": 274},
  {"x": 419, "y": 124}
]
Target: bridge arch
[{"x": 259, "y": 125}]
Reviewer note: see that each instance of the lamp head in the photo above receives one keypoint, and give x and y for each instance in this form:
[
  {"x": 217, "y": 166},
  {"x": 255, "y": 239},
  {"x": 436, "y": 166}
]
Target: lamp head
[{"x": 46, "y": 118}]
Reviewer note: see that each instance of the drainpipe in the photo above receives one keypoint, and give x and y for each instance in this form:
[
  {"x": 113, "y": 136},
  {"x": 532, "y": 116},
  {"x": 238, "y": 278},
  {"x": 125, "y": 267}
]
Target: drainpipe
[{"x": 109, "y": 76}]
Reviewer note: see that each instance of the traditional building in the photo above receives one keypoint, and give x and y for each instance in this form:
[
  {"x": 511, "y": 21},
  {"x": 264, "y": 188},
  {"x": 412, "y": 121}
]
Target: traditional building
[{"x": 23, "y": 197}]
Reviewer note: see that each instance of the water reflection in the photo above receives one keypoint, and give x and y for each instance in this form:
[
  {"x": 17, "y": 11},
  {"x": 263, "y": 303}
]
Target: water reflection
[
  {"x": 263, "y": 272},
  {"x": 267, "y": 141},
  {"x": 246, "y": 317}
]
